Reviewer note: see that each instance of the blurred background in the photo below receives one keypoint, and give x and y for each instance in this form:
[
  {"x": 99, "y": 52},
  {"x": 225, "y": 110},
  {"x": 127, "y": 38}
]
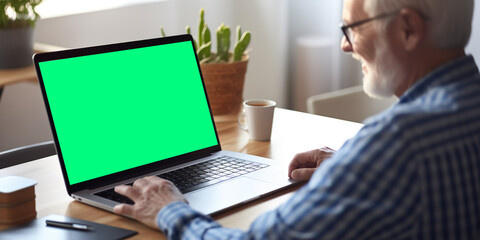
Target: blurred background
[{"x": 294, "y": 53}]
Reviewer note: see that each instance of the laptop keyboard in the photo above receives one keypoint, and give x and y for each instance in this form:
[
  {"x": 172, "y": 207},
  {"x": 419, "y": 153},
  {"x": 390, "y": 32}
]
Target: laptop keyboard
[{"x": 198, "y": 176}]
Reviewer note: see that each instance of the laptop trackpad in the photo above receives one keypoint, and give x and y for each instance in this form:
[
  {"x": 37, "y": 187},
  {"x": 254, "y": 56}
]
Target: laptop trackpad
[{"x": 227, "y": 194}]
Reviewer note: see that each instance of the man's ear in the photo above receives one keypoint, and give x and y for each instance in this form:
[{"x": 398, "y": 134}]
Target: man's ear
[{"x": 412, "y": 28}]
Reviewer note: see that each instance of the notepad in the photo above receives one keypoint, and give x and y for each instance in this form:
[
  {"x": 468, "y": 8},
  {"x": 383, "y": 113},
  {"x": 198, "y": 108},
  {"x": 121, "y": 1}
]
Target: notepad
[{"x": 37, "y": 229}]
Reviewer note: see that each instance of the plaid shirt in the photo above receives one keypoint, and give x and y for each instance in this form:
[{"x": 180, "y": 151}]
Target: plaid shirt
[{"x": 412, "y": 172}]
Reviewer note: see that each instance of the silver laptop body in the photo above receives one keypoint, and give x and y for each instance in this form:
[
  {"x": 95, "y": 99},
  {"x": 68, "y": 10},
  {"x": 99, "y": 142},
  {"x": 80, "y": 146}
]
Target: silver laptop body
[{"x": 123, "y": 111}]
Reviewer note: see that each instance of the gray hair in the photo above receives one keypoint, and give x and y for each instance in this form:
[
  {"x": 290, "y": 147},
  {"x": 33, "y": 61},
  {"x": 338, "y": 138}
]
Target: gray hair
[{"x": 449, "y": 21}]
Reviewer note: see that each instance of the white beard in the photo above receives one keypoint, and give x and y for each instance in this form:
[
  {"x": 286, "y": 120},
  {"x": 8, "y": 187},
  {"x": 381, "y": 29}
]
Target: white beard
[{"x": 383, "y": 78}]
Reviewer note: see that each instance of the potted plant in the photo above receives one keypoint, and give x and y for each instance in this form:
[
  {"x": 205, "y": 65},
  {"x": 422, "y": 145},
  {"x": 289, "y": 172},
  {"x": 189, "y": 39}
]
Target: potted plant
[
  {"x": 17, "y": 20},
  {"x": 223, "y": 71}
]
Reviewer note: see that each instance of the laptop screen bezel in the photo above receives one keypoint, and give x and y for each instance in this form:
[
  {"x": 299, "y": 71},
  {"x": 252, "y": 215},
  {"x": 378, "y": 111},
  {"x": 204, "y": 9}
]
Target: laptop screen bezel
[{"x": 144, "y": 169}]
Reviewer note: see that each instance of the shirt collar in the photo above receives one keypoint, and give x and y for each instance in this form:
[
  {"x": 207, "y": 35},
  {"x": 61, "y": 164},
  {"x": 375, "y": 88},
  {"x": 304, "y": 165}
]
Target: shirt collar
[{"x": 441, "y": 75}]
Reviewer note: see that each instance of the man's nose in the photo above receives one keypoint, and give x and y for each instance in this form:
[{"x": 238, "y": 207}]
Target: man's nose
[{"x": 345, "y": 45}]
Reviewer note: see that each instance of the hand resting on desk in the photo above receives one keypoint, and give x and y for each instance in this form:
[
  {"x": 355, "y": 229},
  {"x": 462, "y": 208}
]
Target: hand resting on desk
[
  {"x": 150, "y": 194},
  {"x": 303, "y": 165}
]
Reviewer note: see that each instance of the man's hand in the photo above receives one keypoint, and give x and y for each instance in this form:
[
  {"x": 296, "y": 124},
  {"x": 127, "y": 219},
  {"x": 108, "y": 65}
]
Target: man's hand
[
  {"x": 303, "y": 165},
  {"x": 150, "y": 194}
]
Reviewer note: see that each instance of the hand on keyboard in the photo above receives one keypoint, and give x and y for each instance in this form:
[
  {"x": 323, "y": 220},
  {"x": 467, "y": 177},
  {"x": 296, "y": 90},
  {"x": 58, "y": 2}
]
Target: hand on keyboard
[{"x": 150, "y": 195}]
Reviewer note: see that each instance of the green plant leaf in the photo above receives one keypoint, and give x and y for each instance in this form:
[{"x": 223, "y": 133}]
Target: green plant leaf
[{"x": 18, "y": 13}]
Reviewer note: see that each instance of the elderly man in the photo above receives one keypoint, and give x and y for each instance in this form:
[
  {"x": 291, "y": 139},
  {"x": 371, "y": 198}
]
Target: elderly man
[{"x": 412, "y": 172}]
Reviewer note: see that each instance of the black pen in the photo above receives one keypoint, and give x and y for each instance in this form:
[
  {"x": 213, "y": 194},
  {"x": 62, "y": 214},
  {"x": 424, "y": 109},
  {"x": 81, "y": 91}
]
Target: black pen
[{"x": 68, "y": 225}]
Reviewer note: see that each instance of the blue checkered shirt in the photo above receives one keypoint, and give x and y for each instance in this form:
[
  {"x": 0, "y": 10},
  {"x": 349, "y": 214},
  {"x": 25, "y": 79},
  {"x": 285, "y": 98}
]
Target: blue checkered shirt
[{"x": 412, "y": 172}]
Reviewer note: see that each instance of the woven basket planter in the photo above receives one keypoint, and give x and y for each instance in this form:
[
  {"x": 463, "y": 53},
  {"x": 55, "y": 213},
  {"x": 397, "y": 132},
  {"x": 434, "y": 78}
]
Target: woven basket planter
[{"x": 224, "y": 83}]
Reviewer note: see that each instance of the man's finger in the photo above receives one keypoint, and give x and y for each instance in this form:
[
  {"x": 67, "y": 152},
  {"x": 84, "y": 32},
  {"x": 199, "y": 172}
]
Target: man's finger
[
  {"x": 304, "y": 159},
  {"x": 302, "y": 174},
  {"x": 128, "y": 191},
  {"x": 152, "y": 178},
  {"x": 301, "y": 160},
  {"x": 123, "y": 209},
  {"x": 140, "y": 182}
]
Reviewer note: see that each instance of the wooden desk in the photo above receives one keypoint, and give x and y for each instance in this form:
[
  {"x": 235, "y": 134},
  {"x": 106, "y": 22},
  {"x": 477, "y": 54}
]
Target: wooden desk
[{"x": 293, "y": 132}]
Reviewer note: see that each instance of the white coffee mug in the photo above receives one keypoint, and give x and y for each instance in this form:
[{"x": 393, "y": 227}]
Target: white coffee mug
[{"x": 258, "y": 115}]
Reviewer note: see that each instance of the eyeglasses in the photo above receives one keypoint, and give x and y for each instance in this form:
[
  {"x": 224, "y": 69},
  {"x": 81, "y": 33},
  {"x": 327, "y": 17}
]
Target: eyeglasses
[{"x": 347, "y": 29}]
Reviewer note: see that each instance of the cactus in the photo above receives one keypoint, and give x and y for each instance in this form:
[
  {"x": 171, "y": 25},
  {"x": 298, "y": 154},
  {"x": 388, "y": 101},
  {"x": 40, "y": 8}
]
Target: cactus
[
  {"x": 204, "y": 51},
  {"x": 239, "y": 32},
  {"x": 241, "y": 46},
  {"x": 201, "y": 26},
  {"x": 204, "y": 43},
  {"x": 187, "y": 29},
  {"x": 162, "y": 32},
  {"x": 206, "y": 36},
  {"x": 207, "y": 42},
  {"x": 223, "y": 42}
]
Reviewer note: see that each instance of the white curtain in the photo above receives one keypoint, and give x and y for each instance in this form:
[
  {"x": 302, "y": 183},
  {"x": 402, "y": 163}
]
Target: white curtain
[{"x": 316, "y": 62}]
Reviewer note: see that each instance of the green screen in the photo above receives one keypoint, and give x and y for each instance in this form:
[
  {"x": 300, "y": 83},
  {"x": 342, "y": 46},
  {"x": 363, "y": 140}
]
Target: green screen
[{"x": 119, "y": 110}]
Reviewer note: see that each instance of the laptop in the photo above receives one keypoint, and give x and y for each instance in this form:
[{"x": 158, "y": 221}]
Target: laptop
[{"x": 124, "y": 111}]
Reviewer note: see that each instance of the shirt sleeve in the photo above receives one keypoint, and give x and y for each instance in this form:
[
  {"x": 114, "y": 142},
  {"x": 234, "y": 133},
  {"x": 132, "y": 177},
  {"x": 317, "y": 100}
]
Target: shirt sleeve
[
  {"x": 179, "y": 221},
  {"x": 367, "y": 190}
]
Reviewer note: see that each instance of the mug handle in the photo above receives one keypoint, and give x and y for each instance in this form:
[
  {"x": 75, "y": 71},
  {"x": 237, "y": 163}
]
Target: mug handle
[{"x": 240, "y": 118}]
